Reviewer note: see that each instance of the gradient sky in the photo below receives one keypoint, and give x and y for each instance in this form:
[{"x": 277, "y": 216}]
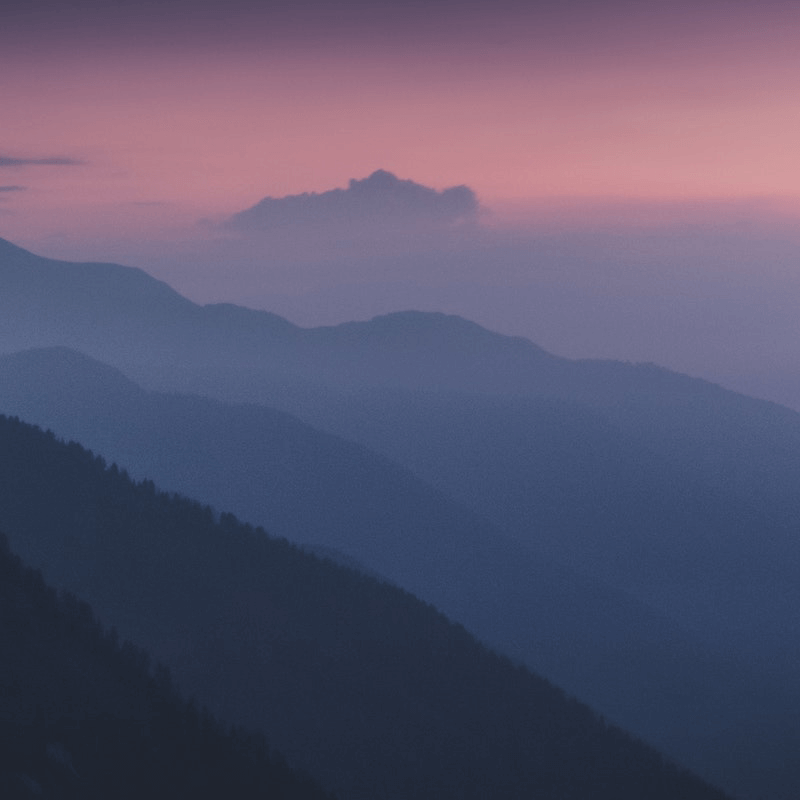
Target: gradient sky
[
  {"x": 212, "y": 106},
  {"x": 123, "y": 125}
]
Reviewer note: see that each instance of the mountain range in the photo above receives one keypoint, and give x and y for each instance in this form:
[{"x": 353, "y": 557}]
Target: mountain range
[
  {"x": 369, "y": 690},
  {"x": 634, "y": 518},
  {"x": 83, "y": 715}
]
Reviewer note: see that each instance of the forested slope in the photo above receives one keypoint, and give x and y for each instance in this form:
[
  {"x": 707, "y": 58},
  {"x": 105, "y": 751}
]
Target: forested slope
[
  {"x": 85, "y": 716},
  {"x": 371, "y": 691}
]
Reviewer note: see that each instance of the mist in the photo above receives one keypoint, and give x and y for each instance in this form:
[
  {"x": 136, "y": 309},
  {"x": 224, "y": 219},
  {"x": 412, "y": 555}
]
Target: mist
[{"x": 705, "y": 288}]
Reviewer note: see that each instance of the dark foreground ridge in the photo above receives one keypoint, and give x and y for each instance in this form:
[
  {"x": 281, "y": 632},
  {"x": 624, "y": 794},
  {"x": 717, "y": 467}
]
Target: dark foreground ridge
[
  {"x": 372, "y": 692},
  {"x": 84, "y": 716}
]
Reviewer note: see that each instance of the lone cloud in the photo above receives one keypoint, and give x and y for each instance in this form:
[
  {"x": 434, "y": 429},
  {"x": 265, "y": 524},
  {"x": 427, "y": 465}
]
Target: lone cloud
[{"x": 380, "y": 199}]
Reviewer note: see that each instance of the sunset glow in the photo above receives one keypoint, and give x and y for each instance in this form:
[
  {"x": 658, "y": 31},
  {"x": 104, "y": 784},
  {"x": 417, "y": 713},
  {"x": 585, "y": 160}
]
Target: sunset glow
[
  {"x": 686, "y": 103},
  {"x": 629, "y": 159}
]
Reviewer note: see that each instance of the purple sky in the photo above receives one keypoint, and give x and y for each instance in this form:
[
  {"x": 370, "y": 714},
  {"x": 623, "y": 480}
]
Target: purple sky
[{"x": 635, "y": 163}]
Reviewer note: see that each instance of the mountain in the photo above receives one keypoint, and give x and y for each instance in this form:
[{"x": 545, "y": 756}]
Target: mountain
[
  {"x": 123, "y": 317},
  {"x": 669, "y": 489},
  {"x": 83, "y": 716},
  {"x": 638, "y": 668},
  {"x": 371, "y": 691},
  {"x": 112, "y": 312},
  {"x": 665, "y": 497}
]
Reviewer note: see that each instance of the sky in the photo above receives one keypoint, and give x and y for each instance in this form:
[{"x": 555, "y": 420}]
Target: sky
[{"x": 635, "y": 164}]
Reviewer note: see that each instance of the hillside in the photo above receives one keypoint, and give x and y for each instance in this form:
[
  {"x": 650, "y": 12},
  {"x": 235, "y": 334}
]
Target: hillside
[
  {"x": 371, "y": 691},
  {"x": 83, "y": 716}
]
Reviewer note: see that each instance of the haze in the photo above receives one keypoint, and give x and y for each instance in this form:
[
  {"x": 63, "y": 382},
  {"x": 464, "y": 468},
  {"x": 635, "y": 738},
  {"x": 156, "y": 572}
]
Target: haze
[{"x": 634, "y": 164}]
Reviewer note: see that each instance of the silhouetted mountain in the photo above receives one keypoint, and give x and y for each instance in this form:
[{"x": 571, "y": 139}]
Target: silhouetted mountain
[
  {"x": 378, "y": 199},
  {"x": 709, "y": 462},
  {"x": 82, "y": 716},
  {"x": 375, "y": 693}
]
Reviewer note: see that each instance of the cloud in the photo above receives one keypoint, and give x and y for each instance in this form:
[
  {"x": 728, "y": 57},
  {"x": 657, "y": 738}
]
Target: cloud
[
  {"x": 13, "y": 188},
  {"x": 53, "y": 161},
  {"x": 382, "y": 199}
]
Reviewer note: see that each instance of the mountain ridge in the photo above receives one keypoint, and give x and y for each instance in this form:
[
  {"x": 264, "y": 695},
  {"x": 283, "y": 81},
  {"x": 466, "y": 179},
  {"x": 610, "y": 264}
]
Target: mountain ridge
[
  {"x": 372, "y": 692},
  {"x": 200, "y": 354}
]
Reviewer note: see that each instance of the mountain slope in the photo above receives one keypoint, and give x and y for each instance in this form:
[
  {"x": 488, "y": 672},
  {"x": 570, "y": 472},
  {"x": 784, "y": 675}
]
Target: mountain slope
[
  {"x": 373, "y": 692},
  {"x": 82, "y": 717},
  {"x": 319, "y": 490},
  {"x": 671, "y": 508}
]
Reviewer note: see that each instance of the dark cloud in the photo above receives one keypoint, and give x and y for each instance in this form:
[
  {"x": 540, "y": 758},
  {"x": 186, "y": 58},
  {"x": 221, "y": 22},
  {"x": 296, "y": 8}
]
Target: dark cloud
[
  {"x": 13, "y": 188},
  {"x": 380, "y": 199},
  {"x": 54, "y": 161}
]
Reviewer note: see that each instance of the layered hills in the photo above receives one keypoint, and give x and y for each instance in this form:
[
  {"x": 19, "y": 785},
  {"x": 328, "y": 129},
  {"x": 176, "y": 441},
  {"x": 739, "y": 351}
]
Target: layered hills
[
  {"x": 664, "y": 489},
  {"x": 371, "y": 691}
]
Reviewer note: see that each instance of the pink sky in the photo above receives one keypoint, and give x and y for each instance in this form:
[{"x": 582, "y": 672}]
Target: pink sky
[
  {"x": 576, "y": 99},
  {"x": 611, "y": 119}
]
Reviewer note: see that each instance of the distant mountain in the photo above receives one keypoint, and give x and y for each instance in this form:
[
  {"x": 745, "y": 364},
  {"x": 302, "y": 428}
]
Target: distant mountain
[
  {"x": 82, "y": 715},
  {"x": 381, "y": 199},
  {"x": 123, "y": 317},
  {"x": 373, "y": 692}
]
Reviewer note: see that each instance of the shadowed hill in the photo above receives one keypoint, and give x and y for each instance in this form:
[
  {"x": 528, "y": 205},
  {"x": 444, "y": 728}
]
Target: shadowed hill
[
  {"x": 376, "y": 694},
  {"x": 81, "y": 716},
  {"x": 322, "y": 491},
  {"x": 658, "y": 496}
]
